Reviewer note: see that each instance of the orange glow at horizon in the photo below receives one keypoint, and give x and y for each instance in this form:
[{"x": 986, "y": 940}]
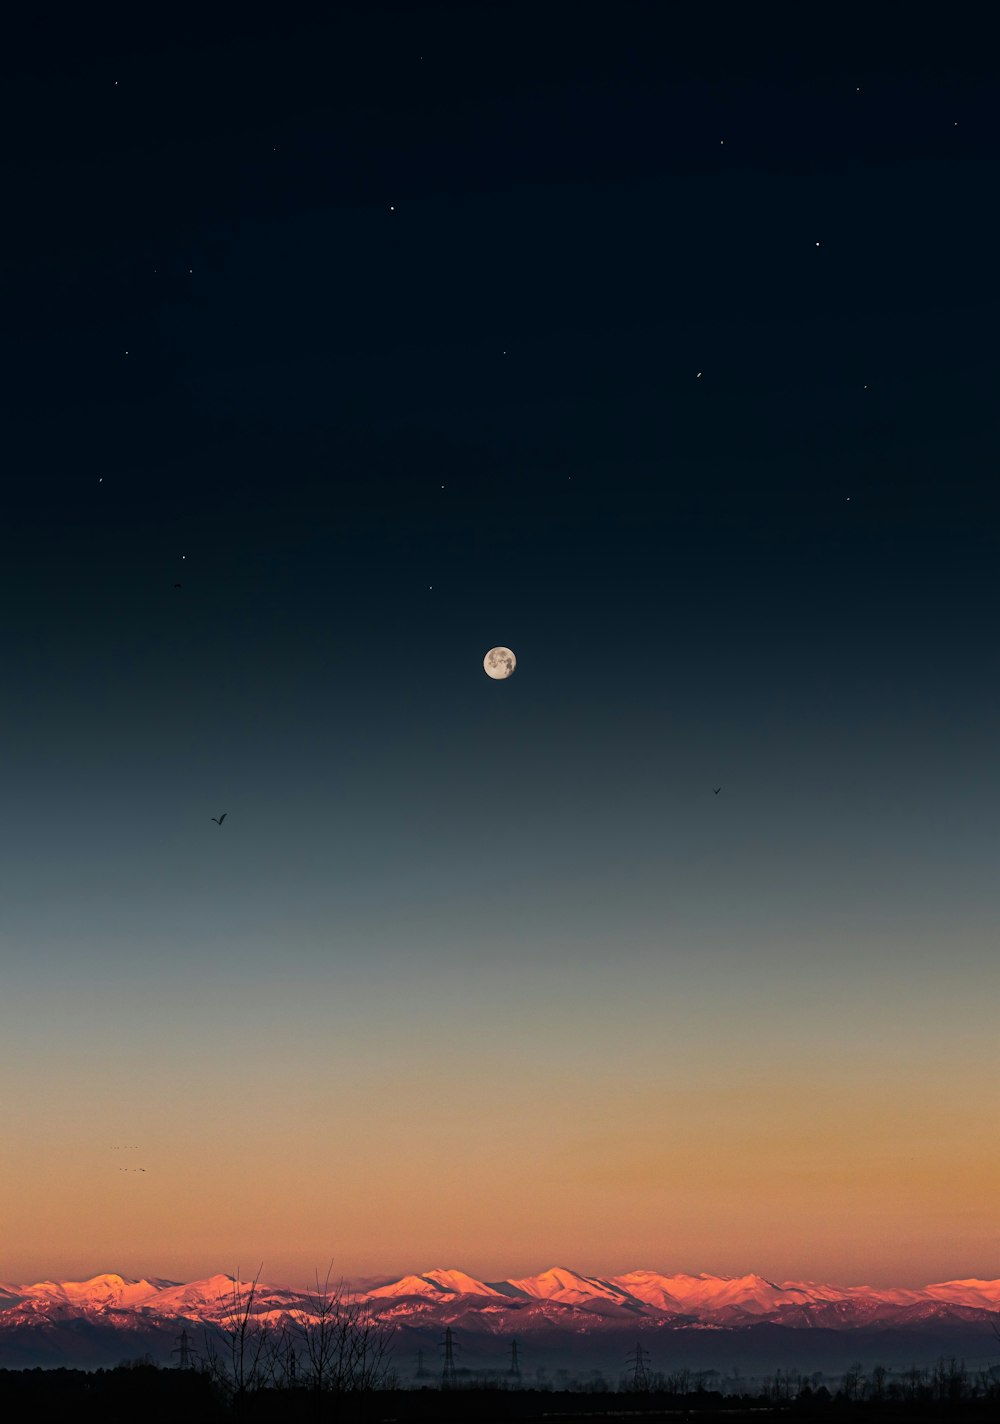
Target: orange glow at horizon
[{"x": 503, "y": 1149}]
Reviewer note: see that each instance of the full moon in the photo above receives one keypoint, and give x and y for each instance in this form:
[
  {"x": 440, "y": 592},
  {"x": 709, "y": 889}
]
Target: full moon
[{"x": 499, "y": 663}]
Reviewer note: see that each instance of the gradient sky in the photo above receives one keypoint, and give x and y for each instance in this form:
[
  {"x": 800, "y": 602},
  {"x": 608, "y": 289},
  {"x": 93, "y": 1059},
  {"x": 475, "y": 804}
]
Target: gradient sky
[{"x": 381, "y": 334}]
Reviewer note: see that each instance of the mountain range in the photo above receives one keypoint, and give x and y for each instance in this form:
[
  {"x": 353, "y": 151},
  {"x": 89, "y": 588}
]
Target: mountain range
[
  {"x": 59, "y": 1321},
  {"x": 711, "y": 1301}
]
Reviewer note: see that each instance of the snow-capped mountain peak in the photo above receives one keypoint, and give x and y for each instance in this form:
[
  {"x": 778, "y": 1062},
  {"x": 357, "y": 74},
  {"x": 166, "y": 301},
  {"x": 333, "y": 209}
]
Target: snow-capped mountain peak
[
  {"x": 98, "y": 1293},
  {"x": 555, "y": 1297},
  {"x": 459, "y": 1283},
  {"x": 432, "y": 1284},
  {"x": 566, "y": 1287}
]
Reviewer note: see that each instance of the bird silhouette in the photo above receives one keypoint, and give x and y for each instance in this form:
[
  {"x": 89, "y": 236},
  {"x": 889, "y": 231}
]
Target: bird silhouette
[
  {"x": 219, "y": 819},
  {"x": 716, "y": 789}
]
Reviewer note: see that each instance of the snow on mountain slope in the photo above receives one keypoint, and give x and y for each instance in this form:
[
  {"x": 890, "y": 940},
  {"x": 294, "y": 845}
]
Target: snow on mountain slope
[
  {"x": 706, "y": 1295},
  {"x": 214, "y": 1296},
  {"x": 699, "y": 1295},
  {"x": 816, "y": 1291},
  {"x": 984, "y": 1294},
  {"x": 433, "y": 1284},
  {"x": 752, "y": 1294},
  {"x": 650, "y": 1288},
  {"x": 99, "y": 1293},
  {"x": 567, "y": 1287},
  {"x": 460, "y": 1283},
  {"x": 209, "y": 1299},
  {"x": 556, "y": 1298},
  {"x": 412, "y": 1286}
]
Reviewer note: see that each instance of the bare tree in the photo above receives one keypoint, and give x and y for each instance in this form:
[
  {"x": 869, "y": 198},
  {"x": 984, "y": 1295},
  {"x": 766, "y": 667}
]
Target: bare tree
[
  {"x": 373, "y": 1354},
  {"x": 242, "y": 1357},
  {"x": 853, "y": 1382},
  {"x": 346, "y": 1347},
  {"x": 678, "y": 1383},
  {"x": 913, "y": 1382},
  {"x": 950, "y": 1379},
  {"x": 318, "y": 1330}
]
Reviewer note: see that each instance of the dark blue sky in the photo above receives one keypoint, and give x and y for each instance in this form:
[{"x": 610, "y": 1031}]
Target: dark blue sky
[{"x": 380, "y": 334}]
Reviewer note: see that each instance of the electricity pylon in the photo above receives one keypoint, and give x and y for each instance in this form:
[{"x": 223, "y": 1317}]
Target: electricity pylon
[
  {"x": 448, "y": 1376},
  {"x": 639, "y": 1359},
  {"x": 184, "y": 1352}
]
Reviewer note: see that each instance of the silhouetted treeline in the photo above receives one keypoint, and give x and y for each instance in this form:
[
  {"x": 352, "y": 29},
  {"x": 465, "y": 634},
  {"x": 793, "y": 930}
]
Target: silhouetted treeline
[
  {"x": 142, "y": 1390},
  {"x": 137, "y": 1390}
]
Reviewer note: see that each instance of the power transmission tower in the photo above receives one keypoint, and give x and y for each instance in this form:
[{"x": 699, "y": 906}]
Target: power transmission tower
[
  {"x": 422, "y": 1371},
  {"x": 184, "y": 1352},
  {"x": 639, "y": 1360},
  {"x": 448, "y": 1376},
  {"x": 515, "y": 1363}
]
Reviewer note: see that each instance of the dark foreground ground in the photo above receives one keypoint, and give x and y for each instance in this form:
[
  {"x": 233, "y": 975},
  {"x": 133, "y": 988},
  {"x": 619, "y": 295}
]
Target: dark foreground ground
[{"x": 152, "y": 1395}]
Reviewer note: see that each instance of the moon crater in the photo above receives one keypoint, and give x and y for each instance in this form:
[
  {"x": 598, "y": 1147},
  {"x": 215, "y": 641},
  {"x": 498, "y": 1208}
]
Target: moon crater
[{"x": 499, "y": 663}]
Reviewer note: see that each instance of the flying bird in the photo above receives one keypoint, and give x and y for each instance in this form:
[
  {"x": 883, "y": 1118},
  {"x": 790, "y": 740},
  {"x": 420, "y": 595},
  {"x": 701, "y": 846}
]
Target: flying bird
[
  {"x": 219, "y": 819},
  {"x": 716, "y": 789}
]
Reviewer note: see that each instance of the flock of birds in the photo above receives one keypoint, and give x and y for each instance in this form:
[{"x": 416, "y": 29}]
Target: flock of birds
[{"x": 128, "y": 1147}]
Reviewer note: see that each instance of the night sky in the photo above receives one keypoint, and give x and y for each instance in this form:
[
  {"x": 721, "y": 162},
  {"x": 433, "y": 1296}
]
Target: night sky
[{"x": 655, "y": 342}]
